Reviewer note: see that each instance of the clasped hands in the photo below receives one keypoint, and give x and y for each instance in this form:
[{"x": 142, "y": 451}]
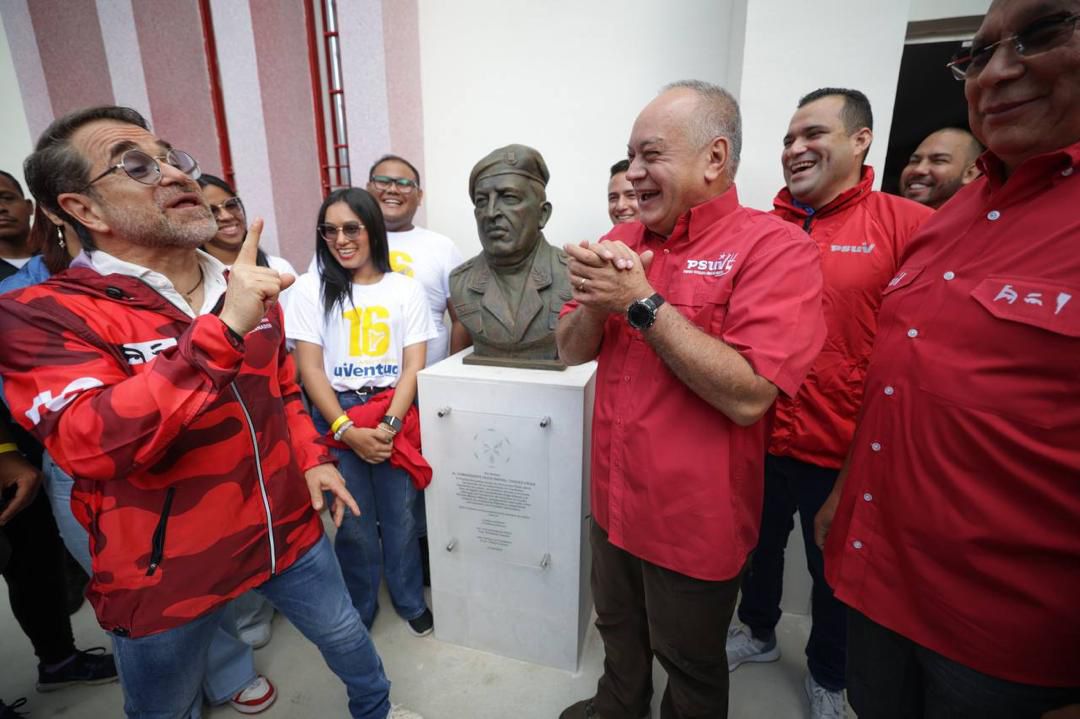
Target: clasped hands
[{"x": 607, "y": 276}]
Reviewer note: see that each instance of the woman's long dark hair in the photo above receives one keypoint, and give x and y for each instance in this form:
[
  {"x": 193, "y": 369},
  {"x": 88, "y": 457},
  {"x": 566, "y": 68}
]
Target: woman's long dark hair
[
  {"x": 337, "y": 280},
  {"x": 214, "y": 181}
]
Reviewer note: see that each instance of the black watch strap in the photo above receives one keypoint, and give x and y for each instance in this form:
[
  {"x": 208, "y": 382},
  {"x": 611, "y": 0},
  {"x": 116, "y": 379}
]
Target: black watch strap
[{"x": 392, "y": 422}]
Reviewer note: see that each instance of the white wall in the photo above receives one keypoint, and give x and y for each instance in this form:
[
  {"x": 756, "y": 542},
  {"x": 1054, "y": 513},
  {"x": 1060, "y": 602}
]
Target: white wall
[
  {"x": 789, "y": 52},
  {"x": 16, "y": 142},
  {"x": 565, "y": 77}
]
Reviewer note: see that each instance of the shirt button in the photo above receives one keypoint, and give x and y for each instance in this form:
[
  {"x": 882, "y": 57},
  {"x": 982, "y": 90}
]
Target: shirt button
[
  {"x": 627, "y": 378},
  {"x": 876, "y": 446},
  {"x": 949, "y": 275},
  {"x": 868, "y": 497},
  {"x": 889, "y": 391},
  {"x": 857, "y": 544},
  {"x": 993, "y": 215},
  {"x": 913, "y": 333},
  {"x": 667, "y": 251},
  {"x": 1066, "y": 172}
]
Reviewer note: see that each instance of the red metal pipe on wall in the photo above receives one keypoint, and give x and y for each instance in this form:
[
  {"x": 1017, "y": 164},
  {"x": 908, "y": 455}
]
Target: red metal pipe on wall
[
  {"x": 316, "y": 95},
  {"x": 217, "y": 100}
]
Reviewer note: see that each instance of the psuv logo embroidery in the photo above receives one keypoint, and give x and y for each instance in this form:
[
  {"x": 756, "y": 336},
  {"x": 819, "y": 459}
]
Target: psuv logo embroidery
[
  {"x": 862, "y": 249},
  {"x": 718, "y": 267}
]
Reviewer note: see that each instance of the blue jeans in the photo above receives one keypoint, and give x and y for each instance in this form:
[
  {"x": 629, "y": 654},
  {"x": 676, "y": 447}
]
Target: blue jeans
[
  {"x": 792, "y": 485},
  {"x": 387, "y": 500},
  {"x": 161, "y": 673},
  {"x": 230, "y": 663}
]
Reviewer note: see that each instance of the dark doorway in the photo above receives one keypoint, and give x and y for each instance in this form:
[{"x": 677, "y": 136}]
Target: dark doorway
[{"x": 927, "y": 99}]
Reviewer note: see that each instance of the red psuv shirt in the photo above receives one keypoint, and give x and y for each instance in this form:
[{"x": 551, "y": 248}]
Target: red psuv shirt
[
  {"x": 861, "y": 235},
  {"x": 674, "y": 481},
  {"x": 959, "y": 525},
  {"x": 186, "y": 448}
]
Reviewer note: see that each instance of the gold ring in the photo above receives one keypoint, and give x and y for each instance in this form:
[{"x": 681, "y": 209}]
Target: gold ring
[{"x": 581, "y": 287}]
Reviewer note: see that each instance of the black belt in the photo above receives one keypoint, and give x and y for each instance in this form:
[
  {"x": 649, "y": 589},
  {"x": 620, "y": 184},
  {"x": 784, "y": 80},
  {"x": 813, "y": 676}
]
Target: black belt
[{"x": 369, "y": 391}]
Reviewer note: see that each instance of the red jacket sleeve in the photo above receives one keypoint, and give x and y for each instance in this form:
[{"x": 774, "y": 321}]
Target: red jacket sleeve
[
  {"x": 79, "y": 396},
  {"x": 307, "y": 447}
]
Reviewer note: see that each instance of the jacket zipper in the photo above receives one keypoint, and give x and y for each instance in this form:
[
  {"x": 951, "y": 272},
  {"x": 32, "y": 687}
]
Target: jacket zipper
[
  {"x": 259, "y": 473},
  {"x": 157, "y": 546},
  {"x": 806, "y": 223}
]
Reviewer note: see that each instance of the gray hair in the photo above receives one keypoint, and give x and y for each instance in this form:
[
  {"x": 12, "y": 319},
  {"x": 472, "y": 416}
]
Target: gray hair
[{"x": 718, "y": 116}]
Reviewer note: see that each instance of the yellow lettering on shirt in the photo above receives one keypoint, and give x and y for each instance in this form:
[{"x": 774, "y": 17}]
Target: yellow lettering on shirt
[
  {"x": 401, "y": 262},
  {"x": 367, "y": 335}
]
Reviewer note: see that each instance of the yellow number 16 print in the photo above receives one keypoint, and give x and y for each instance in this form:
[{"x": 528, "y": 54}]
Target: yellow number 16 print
[{"x": 367, "y": 335}]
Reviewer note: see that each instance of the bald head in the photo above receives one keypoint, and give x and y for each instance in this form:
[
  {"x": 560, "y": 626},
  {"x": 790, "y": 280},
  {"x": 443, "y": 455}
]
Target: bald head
[{"x": 941, "y": 164}]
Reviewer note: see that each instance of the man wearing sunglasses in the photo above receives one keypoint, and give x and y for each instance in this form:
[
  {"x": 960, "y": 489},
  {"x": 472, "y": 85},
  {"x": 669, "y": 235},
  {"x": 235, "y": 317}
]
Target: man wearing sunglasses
[
  {"x": 954, "y": 530},
  {"x": 162, "y": 386}
]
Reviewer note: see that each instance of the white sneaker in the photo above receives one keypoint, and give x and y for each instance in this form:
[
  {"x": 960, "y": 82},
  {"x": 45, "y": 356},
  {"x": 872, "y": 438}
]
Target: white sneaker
[
  {"x": 824, "y": 704},
  {"x": 742, "y": 648},
  {"x": 399, "y": 712},
  {"x": 255, "y": 697}
]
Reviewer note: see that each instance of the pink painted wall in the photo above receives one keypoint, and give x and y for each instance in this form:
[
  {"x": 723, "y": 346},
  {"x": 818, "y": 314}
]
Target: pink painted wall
[{"x": 72, "y": 53}]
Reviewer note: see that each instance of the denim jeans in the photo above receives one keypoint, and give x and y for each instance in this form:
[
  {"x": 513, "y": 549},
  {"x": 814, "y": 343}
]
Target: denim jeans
[
  {"x": 230, "y": 663},
  {"x": 161, "y": 673},
  {"x": 792, "y": 485},
  {"x": 387, "y": 499}
]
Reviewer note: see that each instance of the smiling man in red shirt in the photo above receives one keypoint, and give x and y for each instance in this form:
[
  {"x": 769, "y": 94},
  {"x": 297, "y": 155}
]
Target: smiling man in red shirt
[
  {"x": 860, "y": 234},
  {"x": 699, "y": 316},
  {"x": 956, "y": 542}
]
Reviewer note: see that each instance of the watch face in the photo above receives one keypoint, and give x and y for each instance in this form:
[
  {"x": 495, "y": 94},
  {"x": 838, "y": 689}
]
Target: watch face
[{"x": 639, "y": 315}]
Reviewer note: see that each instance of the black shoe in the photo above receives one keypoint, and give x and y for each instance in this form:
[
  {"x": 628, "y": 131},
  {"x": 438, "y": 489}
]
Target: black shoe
[
  {"x": 422, "y": 625},
  {"x": 583, "y": 709},
  {"x": 93, "y": 666},
  {"x": 7, "y": 711}
]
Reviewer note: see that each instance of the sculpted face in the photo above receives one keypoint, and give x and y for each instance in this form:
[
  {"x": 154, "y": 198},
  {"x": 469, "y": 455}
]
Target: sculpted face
[
  {"x": 1020, "y": 107},
  {"x": 942, "y": 164},
  {"x": 510, "y": 211},
  {"x": 821, "y": 158},
  {"x": 398, "y": 208},
  {"x": 622, "y": 199},
  {"x": 171, "y": 213},
  {"x": 15, "y": 211},
  {"x": 667, "y": 170}
]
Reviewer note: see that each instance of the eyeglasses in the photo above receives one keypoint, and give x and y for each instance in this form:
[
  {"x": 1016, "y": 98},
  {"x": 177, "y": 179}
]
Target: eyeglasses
[
  {"x": 1038, "y": 37},
  {"x": 143, "y": 168},
  {"x": 233, "y": 206},
  {"x": 404, "y": 185},
  {"x": 352, "y": 231}
]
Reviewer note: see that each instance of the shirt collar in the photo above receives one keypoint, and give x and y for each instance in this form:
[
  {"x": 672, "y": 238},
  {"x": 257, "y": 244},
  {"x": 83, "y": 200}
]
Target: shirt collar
[
  {"x": 1064, "y": 160},
  {"x": 700, "y": 217},
  {"x": 214, "y": 283}
]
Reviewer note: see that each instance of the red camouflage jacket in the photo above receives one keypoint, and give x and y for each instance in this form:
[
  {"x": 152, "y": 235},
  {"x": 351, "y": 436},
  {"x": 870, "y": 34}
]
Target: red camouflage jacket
[
  {"x": 187, "y": 447},
  {"x": 860, "y": 235}
]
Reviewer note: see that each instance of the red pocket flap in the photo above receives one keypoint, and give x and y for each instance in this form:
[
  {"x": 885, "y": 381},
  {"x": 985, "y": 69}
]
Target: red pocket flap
[
  {"x": 904, "y": 277},
  {"x": 1032, "y": 301}
]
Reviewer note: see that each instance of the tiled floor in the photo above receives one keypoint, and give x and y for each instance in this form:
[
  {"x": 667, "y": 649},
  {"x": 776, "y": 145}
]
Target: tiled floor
[{"x": 441, "y": 681}]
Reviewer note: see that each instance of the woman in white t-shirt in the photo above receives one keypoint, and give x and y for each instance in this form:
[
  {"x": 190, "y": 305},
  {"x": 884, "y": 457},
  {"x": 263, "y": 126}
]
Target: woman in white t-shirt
[{"x": 361, "y": 330}]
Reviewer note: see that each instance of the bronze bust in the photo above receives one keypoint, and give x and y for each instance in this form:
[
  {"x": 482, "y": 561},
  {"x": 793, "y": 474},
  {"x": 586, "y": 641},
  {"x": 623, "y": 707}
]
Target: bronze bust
[{"x": 509, "y": 296}]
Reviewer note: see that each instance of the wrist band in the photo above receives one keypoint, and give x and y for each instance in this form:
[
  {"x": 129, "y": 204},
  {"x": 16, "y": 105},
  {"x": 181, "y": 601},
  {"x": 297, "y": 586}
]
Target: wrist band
[
  {"x": 343, "y": 429},
  {"x": 8, "y": 447},
  {"x": 338, "y": 422}
]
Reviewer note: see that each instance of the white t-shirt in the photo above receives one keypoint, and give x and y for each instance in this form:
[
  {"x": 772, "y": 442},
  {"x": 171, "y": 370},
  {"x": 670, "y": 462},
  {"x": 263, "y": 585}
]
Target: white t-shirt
[
  {"x": 363, "y": 343},
  {"x": 429, "y": 258}
]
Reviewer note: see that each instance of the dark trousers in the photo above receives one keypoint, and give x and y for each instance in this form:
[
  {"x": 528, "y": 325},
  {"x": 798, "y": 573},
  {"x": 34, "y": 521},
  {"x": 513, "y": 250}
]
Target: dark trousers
[
  {"x": 790, "y": 486},
  {"x": 645, "y": 610},
  {"x": 892, "y": 677},
  {"x": 35, "y": 579}
]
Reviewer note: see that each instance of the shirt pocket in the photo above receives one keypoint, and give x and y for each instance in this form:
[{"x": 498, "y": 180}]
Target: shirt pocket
[
  {"x": 903, "y": 279},
  {"x": 704, "y": 302},
  {"x": 1045, "y": 304}
]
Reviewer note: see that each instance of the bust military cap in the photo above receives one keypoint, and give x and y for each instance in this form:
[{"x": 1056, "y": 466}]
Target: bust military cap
[{"x": 510, "y": 160}]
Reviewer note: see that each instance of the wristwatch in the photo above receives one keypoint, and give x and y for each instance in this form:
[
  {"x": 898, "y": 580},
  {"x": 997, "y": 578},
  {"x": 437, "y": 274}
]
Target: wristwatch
[
  {"x": 642, "y": 313},
  {"x": 392, "y": 422}
]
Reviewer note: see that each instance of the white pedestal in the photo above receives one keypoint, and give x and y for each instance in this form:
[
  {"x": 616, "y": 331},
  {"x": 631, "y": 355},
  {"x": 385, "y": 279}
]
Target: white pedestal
[{"x": 507, "y": 507}]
